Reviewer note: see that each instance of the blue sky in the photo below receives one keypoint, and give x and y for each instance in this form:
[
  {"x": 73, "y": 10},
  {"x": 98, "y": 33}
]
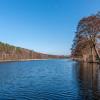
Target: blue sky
[{"x": 46, "y": 26}]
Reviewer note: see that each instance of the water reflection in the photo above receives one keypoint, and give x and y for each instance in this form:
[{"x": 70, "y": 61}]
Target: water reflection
[{"x": 89, "y": 75}]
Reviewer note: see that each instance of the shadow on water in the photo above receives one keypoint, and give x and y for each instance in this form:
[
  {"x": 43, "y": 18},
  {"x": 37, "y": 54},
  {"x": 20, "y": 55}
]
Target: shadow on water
[{"x": 89, "y": 75}]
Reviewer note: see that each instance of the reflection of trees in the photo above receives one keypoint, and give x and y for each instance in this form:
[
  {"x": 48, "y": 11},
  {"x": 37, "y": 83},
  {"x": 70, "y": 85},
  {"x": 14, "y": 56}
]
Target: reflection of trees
[{"x": 90, "y": 77}]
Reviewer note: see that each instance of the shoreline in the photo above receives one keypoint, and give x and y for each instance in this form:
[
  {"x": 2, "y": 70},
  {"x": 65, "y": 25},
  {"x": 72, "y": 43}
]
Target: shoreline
[
  {"x": 80, "y": 59},
  {"x": 20, "y": 60}
]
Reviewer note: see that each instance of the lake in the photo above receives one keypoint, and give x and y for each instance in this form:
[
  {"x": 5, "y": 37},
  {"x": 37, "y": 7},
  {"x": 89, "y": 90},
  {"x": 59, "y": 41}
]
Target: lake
[{"x": 49, "y": 80}]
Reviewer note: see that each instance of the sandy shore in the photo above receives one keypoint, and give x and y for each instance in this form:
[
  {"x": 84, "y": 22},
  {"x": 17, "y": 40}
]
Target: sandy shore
[{"x": 21, "y": 60}]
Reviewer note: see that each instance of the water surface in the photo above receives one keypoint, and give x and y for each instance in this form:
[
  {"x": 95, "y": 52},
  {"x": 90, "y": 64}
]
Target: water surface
[{"x": 49, "y": 80}]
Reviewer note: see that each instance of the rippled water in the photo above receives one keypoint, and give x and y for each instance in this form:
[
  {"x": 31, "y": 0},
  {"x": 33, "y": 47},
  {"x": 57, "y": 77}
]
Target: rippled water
[{"x": 49, "y": 80}]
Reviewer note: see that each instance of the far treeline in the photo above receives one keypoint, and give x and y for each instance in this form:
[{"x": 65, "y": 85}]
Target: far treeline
[
  {"x": 86, "y": 44},
  {"x": 10, "y": 52}
]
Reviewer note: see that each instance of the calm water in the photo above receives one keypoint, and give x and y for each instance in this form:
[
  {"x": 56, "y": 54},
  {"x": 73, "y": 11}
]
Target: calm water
[{"x": 49, "y": 80}]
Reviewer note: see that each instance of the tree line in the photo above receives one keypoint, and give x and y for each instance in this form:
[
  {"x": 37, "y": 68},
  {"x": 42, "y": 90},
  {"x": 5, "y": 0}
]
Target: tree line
[{"x": 10, "y": 52}]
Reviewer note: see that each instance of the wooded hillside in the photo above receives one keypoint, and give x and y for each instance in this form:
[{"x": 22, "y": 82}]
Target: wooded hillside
[{"x": 10, "y": 52}]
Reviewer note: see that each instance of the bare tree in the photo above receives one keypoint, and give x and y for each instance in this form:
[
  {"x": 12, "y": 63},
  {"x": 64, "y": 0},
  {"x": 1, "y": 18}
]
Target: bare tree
[{"x": 87, "y": 31}]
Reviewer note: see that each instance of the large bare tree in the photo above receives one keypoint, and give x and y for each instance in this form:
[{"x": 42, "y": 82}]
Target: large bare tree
[{"x": 87, "y": 31}]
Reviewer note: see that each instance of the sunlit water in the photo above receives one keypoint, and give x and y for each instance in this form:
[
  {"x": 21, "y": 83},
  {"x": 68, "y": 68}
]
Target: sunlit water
[{"x": 49, "y": 80}]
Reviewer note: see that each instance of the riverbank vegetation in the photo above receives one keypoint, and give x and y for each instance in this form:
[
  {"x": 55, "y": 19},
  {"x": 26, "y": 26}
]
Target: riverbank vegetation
[
  {"x": 10, "y": 52},
  {"x": 86, "y": 44}
]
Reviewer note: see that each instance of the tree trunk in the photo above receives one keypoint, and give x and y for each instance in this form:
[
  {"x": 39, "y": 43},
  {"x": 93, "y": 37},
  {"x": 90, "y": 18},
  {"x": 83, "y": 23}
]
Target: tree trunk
[{"x": 96, "y": 51}]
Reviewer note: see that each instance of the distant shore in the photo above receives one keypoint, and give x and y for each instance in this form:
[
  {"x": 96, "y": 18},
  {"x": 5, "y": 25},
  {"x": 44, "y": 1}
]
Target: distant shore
[{"x": 21, "y": 60}]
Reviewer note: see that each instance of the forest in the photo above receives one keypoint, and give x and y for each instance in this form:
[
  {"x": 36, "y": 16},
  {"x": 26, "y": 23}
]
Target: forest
[{"x": 10, "y": 52}]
